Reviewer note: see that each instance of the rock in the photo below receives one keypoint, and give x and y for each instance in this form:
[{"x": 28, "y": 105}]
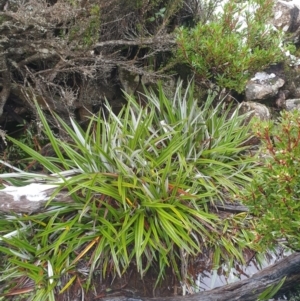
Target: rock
[
  {"x": 281, "y": 99},
  {"x": 130, "y": 80},
  {"x": 263, "y": 86},
  {"x": 258, "y": 110},
  {"x": 286, "y": 16},
  {"x": 292, "y": 104}
]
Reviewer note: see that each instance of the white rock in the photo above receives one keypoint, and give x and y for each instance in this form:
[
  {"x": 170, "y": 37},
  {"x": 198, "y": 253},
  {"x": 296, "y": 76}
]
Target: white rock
[{"x": 262, "y": 76}]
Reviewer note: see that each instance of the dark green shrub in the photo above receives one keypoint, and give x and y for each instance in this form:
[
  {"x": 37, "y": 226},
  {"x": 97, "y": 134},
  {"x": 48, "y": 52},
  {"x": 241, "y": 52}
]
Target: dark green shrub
[{"x": 230, "y": 48}]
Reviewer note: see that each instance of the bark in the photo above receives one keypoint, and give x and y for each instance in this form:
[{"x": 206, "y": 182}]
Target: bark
[
  {"x": 7, "y": 203},
  {"x": 19, "y": 203},
  {"x": 165, "y": 39},
  {"x": 246, "y": 290},
  {"x": 235, "y": 208},
  {"x": 5, "y": 74}
]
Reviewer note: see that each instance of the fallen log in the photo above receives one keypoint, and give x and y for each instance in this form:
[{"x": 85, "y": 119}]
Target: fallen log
[
  {"x": 33, "y": 197},
  {"x": 29, "y": 199},
  {"x": 246, "y": 290}
]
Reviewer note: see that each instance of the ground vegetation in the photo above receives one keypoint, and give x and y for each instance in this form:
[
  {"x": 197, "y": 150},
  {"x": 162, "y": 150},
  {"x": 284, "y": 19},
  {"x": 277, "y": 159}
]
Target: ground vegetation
[
  {"x": 276, "y": 187},
  {"x": 144, "y": 184},
  {"x": 147, "y": 178},
  {"x": 231, "y": 47}
]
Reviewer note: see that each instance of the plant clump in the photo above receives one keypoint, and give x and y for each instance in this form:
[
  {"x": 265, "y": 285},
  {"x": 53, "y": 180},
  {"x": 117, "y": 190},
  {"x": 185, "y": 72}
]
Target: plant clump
[
  {"x": 232, "y": 46},
  {"x": 273, "y": 196},
  {"x": 144, "y": 184}
]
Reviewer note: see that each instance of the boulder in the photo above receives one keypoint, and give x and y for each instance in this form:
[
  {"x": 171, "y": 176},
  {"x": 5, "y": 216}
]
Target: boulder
[
  {"x": 257, "y": 109},
  {"x": 263, "y": 86},
  {"x": 292, "y": 104},
  {"x": 286, "y": 15}
]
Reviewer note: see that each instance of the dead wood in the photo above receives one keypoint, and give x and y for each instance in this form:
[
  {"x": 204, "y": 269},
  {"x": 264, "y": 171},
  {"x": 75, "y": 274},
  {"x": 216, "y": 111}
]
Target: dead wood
[
  {"x": 21, "y": 203},
  {"x": 165, "y": 39},
  {"x": 5, "y": 74},
  {"x": 24, "y": 205},
  {"x": 231, "y": 207}
]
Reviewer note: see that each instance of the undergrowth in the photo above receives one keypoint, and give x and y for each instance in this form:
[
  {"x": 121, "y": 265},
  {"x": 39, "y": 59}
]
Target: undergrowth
[{"x": 144, "y": 184}]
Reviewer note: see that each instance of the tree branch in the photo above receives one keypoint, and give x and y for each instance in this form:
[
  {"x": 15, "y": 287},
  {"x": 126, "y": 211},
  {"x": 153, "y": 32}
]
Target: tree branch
[
  {"x": 165, "y": 39},
  {"x": 5, "y": 74}
]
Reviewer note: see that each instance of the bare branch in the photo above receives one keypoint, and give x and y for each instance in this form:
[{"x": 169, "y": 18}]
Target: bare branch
[
  {"x": 165, "y": 39},
  {"x": 42, "y": 54},
  {"x": 5, "y": 74}
]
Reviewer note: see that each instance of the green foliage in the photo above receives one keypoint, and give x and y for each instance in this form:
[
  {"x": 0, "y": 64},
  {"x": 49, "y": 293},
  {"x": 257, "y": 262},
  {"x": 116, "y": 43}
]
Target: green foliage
[
  {"x": 273, "y": 196},
  {"x": 291, "y": 48},
  {"x": 227, "y": 51},
  {"x": 271, "y": 291},
  {"x": 92, "y": 31},
  {"x": 143, "y": 183},
  {"x": 13, "y": 153},
  {"x": 159, "y": 14},
  {"x": 85, "y": 29}
]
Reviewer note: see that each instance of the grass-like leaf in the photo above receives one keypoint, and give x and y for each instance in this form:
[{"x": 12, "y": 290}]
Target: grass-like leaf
[{"x": 143, "y": 183}]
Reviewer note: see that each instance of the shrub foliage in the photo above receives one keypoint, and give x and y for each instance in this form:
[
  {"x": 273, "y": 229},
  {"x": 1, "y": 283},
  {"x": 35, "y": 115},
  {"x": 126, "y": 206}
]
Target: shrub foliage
[
  {"x": 273, "y": 196},
  {"x": 235, "y": 44}
]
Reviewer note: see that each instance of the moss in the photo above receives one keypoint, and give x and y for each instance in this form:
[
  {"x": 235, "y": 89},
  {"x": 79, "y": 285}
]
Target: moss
[{"x": 87, "y": 29}]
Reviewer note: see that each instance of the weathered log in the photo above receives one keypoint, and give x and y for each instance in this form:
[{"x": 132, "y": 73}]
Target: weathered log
[
  {"x": 246, "y": 290},
  {"x": 29, "y": 199},
  {"x": 32, "y": 198}
]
